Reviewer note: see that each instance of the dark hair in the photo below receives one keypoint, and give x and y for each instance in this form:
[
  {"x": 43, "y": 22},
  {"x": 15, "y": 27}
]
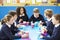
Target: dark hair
[
  {"x": 57, "y": 17},
  {"x": 18, "y": 10},
  {"x": 13, "y": 13},
  {"x": 2, "y": 21}
]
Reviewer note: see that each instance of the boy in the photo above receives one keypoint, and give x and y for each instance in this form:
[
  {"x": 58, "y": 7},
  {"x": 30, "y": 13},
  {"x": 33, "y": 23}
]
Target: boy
[
  {"x": 56, "y": 31},
  {"x": 48, "y": 14}
]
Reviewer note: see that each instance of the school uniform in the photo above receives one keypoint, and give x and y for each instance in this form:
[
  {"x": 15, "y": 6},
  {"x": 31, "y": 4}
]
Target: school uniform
[
  {"x": 23, "y": 17},
  {"x": 40, "y": 18},
  {"x": 14, "y": 29},
  {"x": 56, "y": 33},
  {"x": 6, "y": 34},
  {"x": 50, "y": 26}
]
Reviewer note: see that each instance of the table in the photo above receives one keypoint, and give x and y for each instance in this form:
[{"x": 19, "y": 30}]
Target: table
[{"x": 33, "y": 32}]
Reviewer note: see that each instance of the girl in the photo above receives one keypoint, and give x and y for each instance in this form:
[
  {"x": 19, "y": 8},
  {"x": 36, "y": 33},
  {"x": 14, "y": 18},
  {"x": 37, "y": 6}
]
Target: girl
[
  {"x": 14, "y": 29},
  {"x": 6, "y": 32},
  {"x": 21, "y": 13}
]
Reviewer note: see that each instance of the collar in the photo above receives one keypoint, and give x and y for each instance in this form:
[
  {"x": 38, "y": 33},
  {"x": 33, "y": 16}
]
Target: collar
[
  {"x": 8, "y": 25},
  {"x": 22, "y": 15},
  {"x": 49, "y": 19},
  {"x": 57, "y": 25},
  {"x": 36, "y": 16}
]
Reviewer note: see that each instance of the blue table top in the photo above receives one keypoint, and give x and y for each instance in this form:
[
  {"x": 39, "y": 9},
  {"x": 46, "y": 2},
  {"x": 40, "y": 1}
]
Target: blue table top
[{"x": 34, "y": 32}]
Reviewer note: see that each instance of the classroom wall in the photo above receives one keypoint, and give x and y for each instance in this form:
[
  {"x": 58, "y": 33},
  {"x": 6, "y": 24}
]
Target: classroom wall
[{"x": 4, "y": 10}]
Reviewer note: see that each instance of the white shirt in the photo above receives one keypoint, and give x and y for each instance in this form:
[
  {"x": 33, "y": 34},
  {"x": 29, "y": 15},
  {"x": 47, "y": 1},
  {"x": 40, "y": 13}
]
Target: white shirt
[
  {"x": 57, "y": 25},
  {"x": 22, "y": 15},
  {"x": 0, "y": 26},
  {"x": 49, "y": 19},
  {"x": 8, "y": 25}
]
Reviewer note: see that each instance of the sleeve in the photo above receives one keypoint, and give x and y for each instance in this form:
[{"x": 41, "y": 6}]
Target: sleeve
[
  {"x": 55, "y": 36},
  {"x": 31, "y": 18},
  {"x": 50, "y": 28},
  {"x": 17, "y": 20},
  {"x": 43, "y": 20},
  {"x": 27, "y": 18},
  {"x": 9, "y": 34},
  {"x": 14, "y": 29}
]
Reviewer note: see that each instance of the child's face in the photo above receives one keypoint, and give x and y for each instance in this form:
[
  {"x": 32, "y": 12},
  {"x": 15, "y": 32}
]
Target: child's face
[
  {"x": 36, "y": 14},
  {"x": 54, "y": 21},
  {"x": 15, "y": 17},
  {"x": 12, "y": 20},
  {"x": 21, "y": 10},
  {"x": 45, "y": 14}
]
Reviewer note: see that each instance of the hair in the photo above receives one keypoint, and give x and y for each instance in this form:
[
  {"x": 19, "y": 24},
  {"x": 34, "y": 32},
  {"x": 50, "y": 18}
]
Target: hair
[
  {"x": 48, "y": 12},
  {"x": 57, "y": 17},
  {"x": 36, "y": 10},
  {"x": 3, "y": 21},
  {"x": 8, "y": 17},
  {"x": 18, "y": 10},
  {"x": 13, "y": 13}
]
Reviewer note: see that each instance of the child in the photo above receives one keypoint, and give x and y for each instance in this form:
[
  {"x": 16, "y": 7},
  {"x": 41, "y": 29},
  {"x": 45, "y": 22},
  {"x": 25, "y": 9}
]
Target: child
[
  {"x": 6, "y": 33},
  {"x": 37, "y": 17},
  {"x": 56, "y": 31},
  {"x": 14, "y": 28},
  {"x": 48, "y": 14},
  {"x": 21, "y": 13}
]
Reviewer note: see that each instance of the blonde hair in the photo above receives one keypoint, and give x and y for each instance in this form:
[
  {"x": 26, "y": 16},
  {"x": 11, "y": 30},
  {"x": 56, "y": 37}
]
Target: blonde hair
[
  {"x": 48, "y": 12},
  {"x": 8, "y": 17}
]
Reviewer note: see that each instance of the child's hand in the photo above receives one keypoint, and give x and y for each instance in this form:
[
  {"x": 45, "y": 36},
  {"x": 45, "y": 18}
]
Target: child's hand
[
  {"x": 44, "y": 30},
  {"x": 25, "y": 36},
  {"x": 41, "y": 23},
  {"x": 20, "y": 20},
  {"x": 21, "y": 32},
  {"x": 18, "y": 25}
]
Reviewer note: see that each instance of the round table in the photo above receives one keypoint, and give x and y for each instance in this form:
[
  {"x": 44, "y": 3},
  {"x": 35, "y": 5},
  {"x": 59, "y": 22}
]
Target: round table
[{"x": 33, "y": 32}]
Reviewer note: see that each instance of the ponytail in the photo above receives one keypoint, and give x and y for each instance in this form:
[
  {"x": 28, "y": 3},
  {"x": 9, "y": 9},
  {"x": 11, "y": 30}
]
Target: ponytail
[{"x": 6, "y": 19}]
